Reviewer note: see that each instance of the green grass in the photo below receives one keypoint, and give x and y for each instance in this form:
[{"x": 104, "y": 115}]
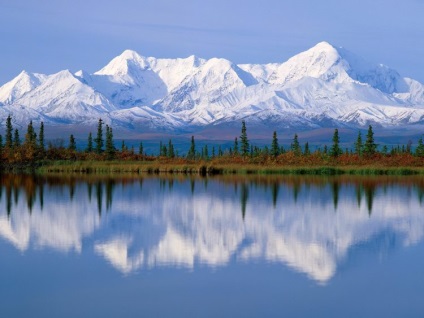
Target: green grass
[{"x": 205, "y": 168}]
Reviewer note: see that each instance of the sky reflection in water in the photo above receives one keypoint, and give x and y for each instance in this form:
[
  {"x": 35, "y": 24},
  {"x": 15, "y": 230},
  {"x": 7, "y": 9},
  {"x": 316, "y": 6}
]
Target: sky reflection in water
[{"x": 312, "y": 225}]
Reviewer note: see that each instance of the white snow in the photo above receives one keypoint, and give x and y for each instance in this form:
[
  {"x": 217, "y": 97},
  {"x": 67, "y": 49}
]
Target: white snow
[{"x": 323, "y": 82}]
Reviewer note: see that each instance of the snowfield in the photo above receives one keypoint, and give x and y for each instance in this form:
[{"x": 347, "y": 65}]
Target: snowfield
[{"x": 321, "y": 87}]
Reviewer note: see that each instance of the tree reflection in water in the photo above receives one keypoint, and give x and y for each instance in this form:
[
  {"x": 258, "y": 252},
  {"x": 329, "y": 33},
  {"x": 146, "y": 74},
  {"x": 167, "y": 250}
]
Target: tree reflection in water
[{"x": 167, "y": 219}]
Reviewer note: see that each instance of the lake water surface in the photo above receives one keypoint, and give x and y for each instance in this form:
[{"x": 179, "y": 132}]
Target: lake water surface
[{"x": 291, "y": 246}]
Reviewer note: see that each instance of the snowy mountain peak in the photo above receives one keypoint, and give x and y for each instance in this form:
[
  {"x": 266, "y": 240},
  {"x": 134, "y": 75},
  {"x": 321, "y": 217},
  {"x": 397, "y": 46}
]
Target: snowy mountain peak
[
  {"x": 130, "y": 55},
  {"x": 129, "y": 61},
  {"x": 323, "y": 47},
  {"x": 378, "y": 76},
  {"x": 321, "y": 61},
  {"x": 19, "y": 86},
  {"x": 324, "y": 86}
]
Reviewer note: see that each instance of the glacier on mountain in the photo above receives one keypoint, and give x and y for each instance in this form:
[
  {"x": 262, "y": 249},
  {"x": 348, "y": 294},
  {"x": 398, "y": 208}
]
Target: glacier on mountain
[{"x": 322, "y": 87}]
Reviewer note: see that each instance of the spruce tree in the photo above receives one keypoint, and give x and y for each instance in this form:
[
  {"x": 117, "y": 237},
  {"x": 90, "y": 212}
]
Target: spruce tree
[
  {"x": 307, "y": 152},
  {"x": 89, "y": 143},
  {"x": 9, "y": 133},
  {"x": 295, "y": 146},
  {"x": 370, "y": 147},
  {"x": 192, "y": 151},
  {"x": 206, "y": 152},
  {"x": 275, "y": 149},
  {"x": 99, "y": 139},
  {"x": 419, "y": 151},
  {"x": 30, "y": 136},
  {"x": 72, "y": 144},
  {"x": 140, "y": 148},
  {"x": 244, "y": 142},
  {"x": 384, "y": 150},
  {"x": 335, "y": 150},
  {"x": 408, "y": 147},
  {"x": 236, "y": 149},
  {"x": 109, "y": 146},
  {"x": 41, "y": 143},
  {"x": 325, "y": 150},
  {"x": 358, "y": 145},
  {"x": 171, "y": 152},
  {"x": 16, "y": 139},
  {"x": 164, "y": 151}
]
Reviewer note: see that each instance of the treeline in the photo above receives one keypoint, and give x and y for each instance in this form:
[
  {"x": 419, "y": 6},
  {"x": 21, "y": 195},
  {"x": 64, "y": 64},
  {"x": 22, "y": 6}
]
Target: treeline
[{"x": 33, "y": 149}]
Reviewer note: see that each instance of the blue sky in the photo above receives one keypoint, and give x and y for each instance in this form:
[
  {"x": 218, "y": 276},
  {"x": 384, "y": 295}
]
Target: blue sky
[{"x": 48, "y": 35}]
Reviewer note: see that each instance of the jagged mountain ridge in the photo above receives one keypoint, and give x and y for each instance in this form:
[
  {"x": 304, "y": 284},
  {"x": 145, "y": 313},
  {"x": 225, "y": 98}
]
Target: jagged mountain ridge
[{"x": 321, "y": 87}]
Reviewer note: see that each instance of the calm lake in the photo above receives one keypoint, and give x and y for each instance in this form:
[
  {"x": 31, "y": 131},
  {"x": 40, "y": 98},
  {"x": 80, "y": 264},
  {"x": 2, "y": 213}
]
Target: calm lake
[{"x": 288, "y": 246}]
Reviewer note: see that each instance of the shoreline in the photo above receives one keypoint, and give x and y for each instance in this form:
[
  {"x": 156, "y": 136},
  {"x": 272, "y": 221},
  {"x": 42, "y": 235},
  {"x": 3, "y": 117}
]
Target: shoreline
[{"x": 210, "y": 168}]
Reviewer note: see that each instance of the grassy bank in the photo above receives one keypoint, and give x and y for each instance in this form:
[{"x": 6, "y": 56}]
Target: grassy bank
[{"x": 216, "y": 168}]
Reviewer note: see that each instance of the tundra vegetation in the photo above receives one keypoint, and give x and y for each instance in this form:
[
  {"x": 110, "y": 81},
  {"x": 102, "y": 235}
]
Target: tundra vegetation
[{"x": 101, "y": 154}]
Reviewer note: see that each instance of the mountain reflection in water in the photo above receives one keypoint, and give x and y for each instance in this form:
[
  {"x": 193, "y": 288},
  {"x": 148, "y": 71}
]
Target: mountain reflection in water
[{"x": 311, "y": 224}]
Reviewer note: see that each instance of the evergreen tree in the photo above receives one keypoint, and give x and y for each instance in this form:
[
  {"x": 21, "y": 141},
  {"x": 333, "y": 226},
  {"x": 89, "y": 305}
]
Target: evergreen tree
[
  {"x": 275, "y": 149},
  {"x": 30, "y": 136},
  {"x": 384, "y": 150},
  {"x": 89, "y": 143},
  {"x": 1, "y": 149},
  {"x": 370, "y": 147},
  {"x": 295, "y": 146},
  {"x": 99, "y": 139},
  {"x": 213, "y": 152},
  {"x": 41, "y": 143},
  {"x": 306, "y": 152},
  {"x": 236, "y": 149},
  {"x": 244, "y": 142},
  {"x": 164, "y": 151},
  {"x": 257, "y": 151},
  {"x": 16, "y": 139},
  {"x": 124, "y": 147},
  {"x": 419, "y": 151},
  {"x": 171, "y": 152},
  {"x": 140, "y": 148},
  {"x": 206, "y": 152},
  {"x": 9, "y": 133},
  {"x": 109, "y": 145},
  {"x": 72, "y": 144},
  {"x": 358, "y": 145},
  {"x": 335, "y": 150},
  {"x": 220, "y": 152},
  {"x": 192, "y": 151},
  {"x": 408, "y": 147},
  {"x": 30, "y": 143}
]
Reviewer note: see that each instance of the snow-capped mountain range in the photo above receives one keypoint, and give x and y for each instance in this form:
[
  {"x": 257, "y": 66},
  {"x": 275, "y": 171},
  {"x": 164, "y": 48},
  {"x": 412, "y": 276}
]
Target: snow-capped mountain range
[
  {"x": 175, "y": 228},
  {"x": 322, "y": 87}
]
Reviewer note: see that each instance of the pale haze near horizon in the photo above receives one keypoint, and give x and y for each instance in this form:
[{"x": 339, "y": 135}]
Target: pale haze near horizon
[{"x": 48, "y": 36}]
